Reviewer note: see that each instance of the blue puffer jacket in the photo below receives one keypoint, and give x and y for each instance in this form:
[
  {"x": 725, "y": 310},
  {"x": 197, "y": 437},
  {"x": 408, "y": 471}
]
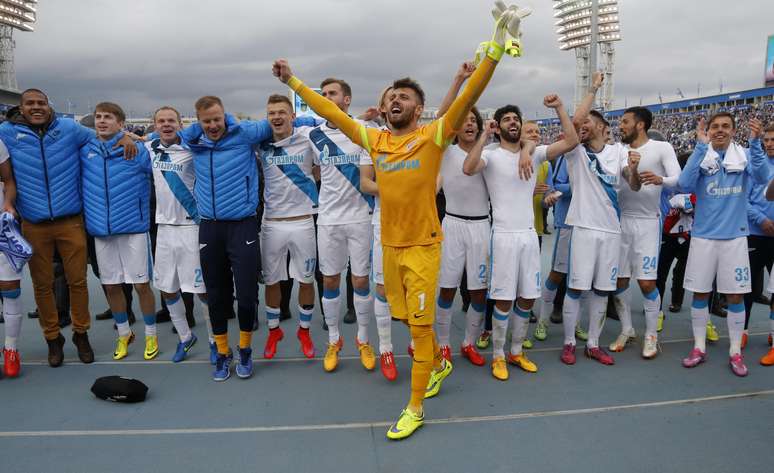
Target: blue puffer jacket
[
  {"x": 227, "y": 170},
  {"x": 47, "y": 172},
  {"x": 116, "y": 191}
]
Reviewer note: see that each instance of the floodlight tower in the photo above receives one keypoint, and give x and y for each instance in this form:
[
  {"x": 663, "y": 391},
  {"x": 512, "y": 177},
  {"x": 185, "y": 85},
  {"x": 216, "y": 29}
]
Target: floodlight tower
[
  {"x": 590, "y": 27},
  {"x": 19, "y": 15}
]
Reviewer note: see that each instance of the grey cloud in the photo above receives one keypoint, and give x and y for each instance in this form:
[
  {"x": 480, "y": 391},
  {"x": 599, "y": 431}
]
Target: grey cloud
[{"x": 146, "y": 53}]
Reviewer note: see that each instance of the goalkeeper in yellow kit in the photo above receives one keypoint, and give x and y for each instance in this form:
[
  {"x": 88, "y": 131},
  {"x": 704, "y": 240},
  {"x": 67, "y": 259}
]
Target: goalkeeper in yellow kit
[{"x": 407, "y": 159}]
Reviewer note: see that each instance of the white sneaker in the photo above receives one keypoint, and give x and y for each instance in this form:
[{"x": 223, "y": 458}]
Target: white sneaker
[
  {"x": 620, "y": 343},
  {"x": 650, "y": 347}
]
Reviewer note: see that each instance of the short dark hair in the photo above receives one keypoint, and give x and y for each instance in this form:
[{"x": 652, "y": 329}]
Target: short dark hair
[
  {"x": 345, "y": 88},
  {"x": 408, "y": 83},
  {"x": 206, "y": 102},
  {"x": 27, "y": 91},
  {"x": 769, "y": 128},
  {"x": 717, "y": 115},
  {"x": 167, "y": 107},
  {"x": 598, "y": 115},
  {"x": 277, "y": 98},
  {"x": 502, "y": 111},
  {"x": 112, "y": 108},
  {"x": 641, "y": 114}
]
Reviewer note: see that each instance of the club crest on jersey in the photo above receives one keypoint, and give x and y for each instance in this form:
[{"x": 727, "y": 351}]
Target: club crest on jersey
[
  {"x": 383, "y": 165},
  {"x": 327, "y": 159},
  {"x": 611, "y": 179}
]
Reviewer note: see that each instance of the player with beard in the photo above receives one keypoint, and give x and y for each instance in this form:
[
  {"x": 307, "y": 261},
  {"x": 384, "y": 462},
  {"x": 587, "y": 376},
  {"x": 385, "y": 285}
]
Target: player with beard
[
  {"x": 641, "y": 226},
  {"x": 407, "y": 160},
  {"x": 595, "y": 169},
  {"x": 514, "y": 280}
]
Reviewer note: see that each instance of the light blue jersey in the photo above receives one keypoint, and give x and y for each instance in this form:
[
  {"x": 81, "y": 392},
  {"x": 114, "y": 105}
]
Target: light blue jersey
[
  {"x": 760, "y": 209},
  {"x": 721, "y": 197},
  {"x": 559, "y": 180}
]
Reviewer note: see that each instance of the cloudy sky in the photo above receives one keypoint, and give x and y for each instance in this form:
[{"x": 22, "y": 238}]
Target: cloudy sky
[{"x": 145, "y": 53}]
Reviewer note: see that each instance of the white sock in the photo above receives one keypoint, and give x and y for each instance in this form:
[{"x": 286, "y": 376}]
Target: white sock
[
  {"x": 150, "y": 324},
  {"x": 499, "y": 327},
  {"x": 13, "y": 318},
  {"x": 123, "y": 329},
  {"x": 443, "y": 315},
  {"x": 272, "y": 317},
  {"x": 383, "y": 324},
  {"x": 597, "y": 310},
  {"x": 331, "y": 304},
  {"x": 177, "y": 315},
  {"x": 519, "y": 326},
  {"x": 699, "y": 318},
  {"x": 473, "y": 318},
  {"x": 207, "y": 321},
  {"x": 651, "y": 304},
  {"x": 735, "y": 321},
  {"x": 305, "y": 317},
  {"x": 623, "y": 304},
  {"x": 363, "y": 311},
  {"x": 570, "y": 313},
  {"x": 548, "y": 294}
]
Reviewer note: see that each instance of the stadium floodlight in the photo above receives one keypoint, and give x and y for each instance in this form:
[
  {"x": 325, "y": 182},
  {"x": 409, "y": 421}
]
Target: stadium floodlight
[
  {"x": 14, "y": 15},
  {"x": 589, "y": 26}
]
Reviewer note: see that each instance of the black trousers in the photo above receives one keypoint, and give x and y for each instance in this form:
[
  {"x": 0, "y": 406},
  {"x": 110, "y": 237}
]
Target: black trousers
[
  {"x": 230, "y": 248},
  {"x": 671, "y": 250},
  {"x": 761, "y": 250}
]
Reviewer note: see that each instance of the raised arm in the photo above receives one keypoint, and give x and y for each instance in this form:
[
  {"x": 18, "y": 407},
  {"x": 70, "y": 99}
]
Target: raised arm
[
  {"x": 588, "y": 101},
  {"x": 758, "y": 161},
  {"x": 473, "y": 163},
  {"x": 570, "y": 139},
  {"x": 459, "y": 109},
  {"x": 324, "y": 107},
  {"x": 691, "y": 172},
  {"x": 466, "y": 70}
]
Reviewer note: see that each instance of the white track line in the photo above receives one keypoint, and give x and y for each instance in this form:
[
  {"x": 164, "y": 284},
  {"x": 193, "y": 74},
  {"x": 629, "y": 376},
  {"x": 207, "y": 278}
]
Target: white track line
[
  {"x": 70, "y": 362},
  {"x": 368, "y": 425}
]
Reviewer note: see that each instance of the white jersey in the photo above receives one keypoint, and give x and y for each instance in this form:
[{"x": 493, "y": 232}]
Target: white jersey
[
  {"x": 3, "y": 158},
  {"x": 466, "y": 196},
  {"x": 365, "y": 160},
  {"x": 173, "y": 179},
  {"x": 289, "y": 189},
  {"x": 341, "y": 201},
  {"x": 659, "y": 158},
  {"x": 595, "y": 179},
  {"x": 511, "y": 196}
]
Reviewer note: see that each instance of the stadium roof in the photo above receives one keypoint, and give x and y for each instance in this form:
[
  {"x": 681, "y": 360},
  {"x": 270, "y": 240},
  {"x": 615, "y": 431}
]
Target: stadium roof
[{"x": 680, "y": 106}]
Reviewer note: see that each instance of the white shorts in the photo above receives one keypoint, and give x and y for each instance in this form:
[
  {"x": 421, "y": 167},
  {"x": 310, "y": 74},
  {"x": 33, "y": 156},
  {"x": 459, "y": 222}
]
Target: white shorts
[
  {"x": 278, "y": 237},
  {"x": 377, "y": 262},
  {"x": 770, "y": 286},
  {"x": 124, "y": 259},
  {"x": 726, "y": 259},
  {"x": 7, "y": 273},
  {"x": 560, "y": 261},
  {"x": 640, "y": 244},
  {"x": 465, "y": 247},
  {"x": 176, "y": 262},
  {"x": 593, "y": 260},
  {"x": 337, "y": 244},
  {"x": 515, "y": 266}
]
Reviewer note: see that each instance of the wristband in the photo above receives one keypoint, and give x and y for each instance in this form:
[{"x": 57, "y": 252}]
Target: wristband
[{"x": 494, "y": 51}]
